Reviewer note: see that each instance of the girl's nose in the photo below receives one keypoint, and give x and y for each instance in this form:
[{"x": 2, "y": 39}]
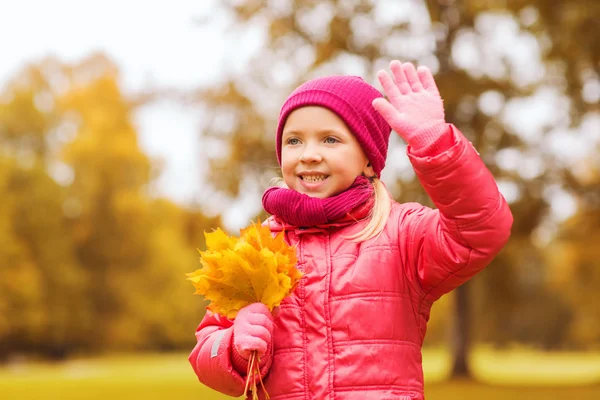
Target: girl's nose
[{"x": 310, "y": 156}]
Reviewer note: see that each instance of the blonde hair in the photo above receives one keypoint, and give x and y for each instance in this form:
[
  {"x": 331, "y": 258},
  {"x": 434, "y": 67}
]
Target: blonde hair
[{"x": 378, "y": 216}]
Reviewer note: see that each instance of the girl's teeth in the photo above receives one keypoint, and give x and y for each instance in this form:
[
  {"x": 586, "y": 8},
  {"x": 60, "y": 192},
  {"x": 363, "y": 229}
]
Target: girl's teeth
[{"x": 313, "y": 178}]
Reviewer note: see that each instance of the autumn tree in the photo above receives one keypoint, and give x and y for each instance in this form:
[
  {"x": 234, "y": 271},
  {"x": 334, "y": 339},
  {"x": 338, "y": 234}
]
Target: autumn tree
[
  {"x": 39, "y": 266},
  {"x": 90, "y": 259}
]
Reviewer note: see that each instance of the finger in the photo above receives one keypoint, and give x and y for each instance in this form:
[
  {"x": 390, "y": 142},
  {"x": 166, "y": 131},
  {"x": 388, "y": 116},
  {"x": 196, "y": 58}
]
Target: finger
[
  {"x": 261, "y": 347},
  {"x": 389, "y": 87},
  {"x": 411, "y": 76},
  {"x": 257, "y": 308},
  {"x": 261, "y": 320},
  {"x": 383, "y": 107},
  {"x": 427, "y": 80},
  {"x": 387, "y": 111},
  {"x": 392, "y": 116},
  {"x": 401, "y": 81},
  {"x": 260, "y": 332},
  {"x": 244, "y": 352},
  {"x": 250, "y": 345}
]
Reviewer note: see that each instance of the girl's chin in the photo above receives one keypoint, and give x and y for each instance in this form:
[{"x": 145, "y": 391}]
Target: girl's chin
[
  {"x": 314, "y": 189},
  {"x": 317, "y": 194}
]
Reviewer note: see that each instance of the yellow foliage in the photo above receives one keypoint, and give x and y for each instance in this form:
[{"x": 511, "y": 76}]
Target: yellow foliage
[{"x": 236, "y": 272}]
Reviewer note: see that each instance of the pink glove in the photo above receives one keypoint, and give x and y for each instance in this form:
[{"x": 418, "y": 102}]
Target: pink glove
[
  {"x": 252, "y": 330},
  {"x": 414, "y": 108}
]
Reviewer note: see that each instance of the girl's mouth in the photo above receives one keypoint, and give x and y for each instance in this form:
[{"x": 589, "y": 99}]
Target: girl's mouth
[
  {"x": 313, "y": 182},
  {"x": 313, "y": 178}
]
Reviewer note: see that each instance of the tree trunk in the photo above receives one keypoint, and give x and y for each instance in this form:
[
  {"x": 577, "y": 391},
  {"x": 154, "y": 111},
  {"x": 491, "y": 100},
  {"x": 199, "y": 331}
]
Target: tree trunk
[{"x": 461, "y": 340}]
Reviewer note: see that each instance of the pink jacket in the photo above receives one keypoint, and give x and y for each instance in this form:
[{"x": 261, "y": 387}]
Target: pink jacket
[{"x": 355, "y": 325}]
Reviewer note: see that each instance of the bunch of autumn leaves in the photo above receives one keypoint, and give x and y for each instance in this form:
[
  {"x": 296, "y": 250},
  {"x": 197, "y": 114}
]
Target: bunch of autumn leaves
[{"x": 236, "y": 272}]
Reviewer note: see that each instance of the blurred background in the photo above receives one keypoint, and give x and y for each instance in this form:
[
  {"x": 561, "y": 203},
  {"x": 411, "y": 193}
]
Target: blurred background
[{"x": 129, "y": 128}]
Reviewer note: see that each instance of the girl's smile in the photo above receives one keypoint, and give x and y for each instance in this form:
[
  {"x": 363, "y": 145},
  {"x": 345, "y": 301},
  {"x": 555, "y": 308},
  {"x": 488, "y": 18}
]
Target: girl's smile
[{"x": 312, "y": 181}]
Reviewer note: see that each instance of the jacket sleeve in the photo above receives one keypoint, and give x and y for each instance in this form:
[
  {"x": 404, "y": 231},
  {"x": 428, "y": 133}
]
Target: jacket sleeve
[
  {"x": 214, "y": 360},
  {"x": 472, "y": 223}
]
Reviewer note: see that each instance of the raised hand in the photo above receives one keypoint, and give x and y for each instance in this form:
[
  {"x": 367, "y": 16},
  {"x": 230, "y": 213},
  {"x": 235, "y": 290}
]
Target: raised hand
[{"x": 414, "y": 108}]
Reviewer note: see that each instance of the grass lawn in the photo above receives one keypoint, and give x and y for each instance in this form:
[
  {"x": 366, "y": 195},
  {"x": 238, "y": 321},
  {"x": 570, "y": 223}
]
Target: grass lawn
[{"x": 517, "y": 375}]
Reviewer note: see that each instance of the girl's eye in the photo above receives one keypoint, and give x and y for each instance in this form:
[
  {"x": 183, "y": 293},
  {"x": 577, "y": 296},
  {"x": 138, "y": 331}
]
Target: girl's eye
[
  {"x": 293, "y": 141},
  {"x": 331, "y": 140}
]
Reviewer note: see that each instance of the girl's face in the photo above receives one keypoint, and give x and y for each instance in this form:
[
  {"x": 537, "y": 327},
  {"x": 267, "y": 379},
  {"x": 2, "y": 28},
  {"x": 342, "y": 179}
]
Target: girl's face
[{"x": 320, "y": 156}]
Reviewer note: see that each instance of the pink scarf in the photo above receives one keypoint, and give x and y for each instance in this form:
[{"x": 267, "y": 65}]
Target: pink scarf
[{"x": 299, "y": 209}]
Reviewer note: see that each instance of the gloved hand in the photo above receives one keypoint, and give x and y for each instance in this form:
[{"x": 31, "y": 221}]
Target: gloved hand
[
  {"x": 252, "y": 330},
  {"x": 414, "y": 108}
]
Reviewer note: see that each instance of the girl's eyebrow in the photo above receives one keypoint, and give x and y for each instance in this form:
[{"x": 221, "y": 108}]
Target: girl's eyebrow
[
  {"x": 330, "y": 131},
  {"x": 321, "y": 131},
  {"x": 288, "y": 133}
]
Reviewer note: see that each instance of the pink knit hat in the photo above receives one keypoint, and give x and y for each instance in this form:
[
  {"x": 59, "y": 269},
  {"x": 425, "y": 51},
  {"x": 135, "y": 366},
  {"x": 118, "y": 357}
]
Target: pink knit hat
[{"x": 350, "y": 97}]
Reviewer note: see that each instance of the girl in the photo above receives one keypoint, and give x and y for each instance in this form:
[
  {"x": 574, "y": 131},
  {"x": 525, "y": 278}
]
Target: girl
[{"x": 354, "y": 327}]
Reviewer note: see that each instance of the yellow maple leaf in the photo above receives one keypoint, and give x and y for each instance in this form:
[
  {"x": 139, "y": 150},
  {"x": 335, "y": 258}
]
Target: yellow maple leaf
[
  {"x": 218, "y": 240},
  {"x": 236, "y": 272}
]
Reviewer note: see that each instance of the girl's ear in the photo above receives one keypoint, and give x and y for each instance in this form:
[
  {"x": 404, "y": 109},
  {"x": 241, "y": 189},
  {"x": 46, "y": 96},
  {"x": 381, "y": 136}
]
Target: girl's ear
[{"x": 368, "y": 171}]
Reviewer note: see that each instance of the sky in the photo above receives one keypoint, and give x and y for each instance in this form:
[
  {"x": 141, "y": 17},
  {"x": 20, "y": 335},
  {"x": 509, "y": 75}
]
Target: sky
[{"x": 164, "y": 45}]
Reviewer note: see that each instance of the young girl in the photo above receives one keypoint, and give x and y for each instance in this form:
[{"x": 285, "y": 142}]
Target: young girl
[{"x": 354, "y": 327}]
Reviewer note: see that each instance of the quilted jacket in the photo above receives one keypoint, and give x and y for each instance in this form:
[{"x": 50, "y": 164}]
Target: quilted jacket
[{"x": 354, "y": 327}]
